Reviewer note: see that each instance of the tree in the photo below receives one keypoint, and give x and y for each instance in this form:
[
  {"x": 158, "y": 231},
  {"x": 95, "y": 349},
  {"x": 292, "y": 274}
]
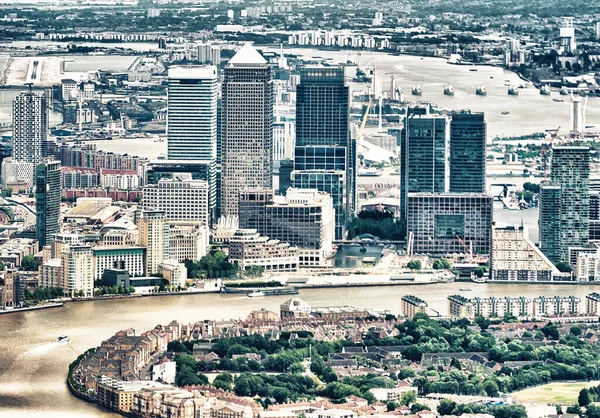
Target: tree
[
  {"x": 585, "y": 397},
  {"x": 416, "y": 407},
  {"x": 223, "y": 381},
  {"x": 29, "y": 263},
  {"x": 414, "y": 265},
  {"x": 391, "y": 406},
  {"x": 574, "y": 409},
  {"x": 576, "y": 331},
  {"x": 408, "y": 398},
  {"x": 564, "y": 267},
  {"x": 480, "y": 271},
  {"x": 446, "y": 407},
  {"x": 2, "y": 266},
  {"x": 592, "y": 411},
  {"x": 442, "y": 264}
]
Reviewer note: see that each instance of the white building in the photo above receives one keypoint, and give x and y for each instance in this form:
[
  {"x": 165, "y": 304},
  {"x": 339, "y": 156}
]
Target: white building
[
  {"x": 294, "y": 307},
  {"x": 174, "y": 271},
  {"x": 153, "y": 231},
  {"x": 69, "y": 90},
  {"x": 188, "y": 240},
  {"x": 17, "y": 174},
  {"x": 182, "y": 199},
  {"x": 284, "y": 140},
  {"x": 556, "y": 305},
  {"x": 165, "y": 371},
  {"x": 248, "y": 248},
  {"x": 119, "y": 181},
  {"x": 130, "y": 258},
  {"x": 78, "y": 270}
]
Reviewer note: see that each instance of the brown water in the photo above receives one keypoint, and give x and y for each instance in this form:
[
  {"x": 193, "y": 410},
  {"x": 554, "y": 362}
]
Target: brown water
[{"x": 33, "y": 367}]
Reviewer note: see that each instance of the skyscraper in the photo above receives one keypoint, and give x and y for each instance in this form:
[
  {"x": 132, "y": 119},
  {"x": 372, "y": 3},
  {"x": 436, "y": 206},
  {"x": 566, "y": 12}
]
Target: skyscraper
[
  {"x": 47, "y": 201},
  {"x": 30, "y": 125},
  {"x": 247, "y": 130},
  {"x": 325, "y": 157},
  {"x": 565, "y": 203},
  {"x": 192, "y": 122},
  {"x": 467, "y": 153},
  {"x": 192, "y": 113},
  {"x": 153, "y": 230},
  {"x": 424, "y": 155}
]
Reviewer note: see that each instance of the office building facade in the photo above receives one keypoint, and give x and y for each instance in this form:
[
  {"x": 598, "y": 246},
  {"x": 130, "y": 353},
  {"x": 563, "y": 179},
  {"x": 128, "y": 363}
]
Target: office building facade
[
  {"x": 467, "y": 153},
  {"x": 325, "y": 155},
  {"x": 450, "y": 223},
  {"x": 47, "y": 201},
  {"x": 192, "y": 122},
  {"x": 30, "y": 127},
  {"x": 303, "y": 218},
  {"x": 247, "y": 127},
  {"x": 424, "y": 155},
  {"x": 180, "y": 199}
]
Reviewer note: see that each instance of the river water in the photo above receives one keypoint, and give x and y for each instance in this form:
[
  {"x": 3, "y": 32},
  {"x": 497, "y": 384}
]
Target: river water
[{"x": 33, "y": 368}]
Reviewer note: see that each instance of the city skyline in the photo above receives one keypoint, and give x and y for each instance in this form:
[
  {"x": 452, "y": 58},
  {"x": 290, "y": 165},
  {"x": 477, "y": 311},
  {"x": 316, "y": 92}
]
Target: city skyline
[{"x": 300, "y": 210}]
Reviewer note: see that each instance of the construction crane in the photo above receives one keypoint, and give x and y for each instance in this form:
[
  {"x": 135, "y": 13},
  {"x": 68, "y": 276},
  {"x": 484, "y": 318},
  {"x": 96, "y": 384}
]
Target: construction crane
[
  {"x": 469, "y": 249},
  {"x": 410, "y": 244},
  {"x": 360, "y": 133},
  {"x": 504, "y": 192},
  {"x": 545, "y": 151}
]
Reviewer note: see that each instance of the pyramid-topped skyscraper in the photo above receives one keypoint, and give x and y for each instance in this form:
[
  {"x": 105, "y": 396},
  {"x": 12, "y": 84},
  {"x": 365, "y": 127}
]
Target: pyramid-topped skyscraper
[{"x": 247, "y": 127}]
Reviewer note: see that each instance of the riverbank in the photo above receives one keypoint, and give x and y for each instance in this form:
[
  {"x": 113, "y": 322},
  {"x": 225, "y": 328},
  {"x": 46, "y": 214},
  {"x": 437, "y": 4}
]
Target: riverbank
[{"x": 32, "y": 308}]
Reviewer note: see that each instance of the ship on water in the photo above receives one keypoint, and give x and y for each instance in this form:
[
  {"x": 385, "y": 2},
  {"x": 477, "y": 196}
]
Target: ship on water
[
  {"x": 417, "y": 91},
  {"x": 545, "y": 90},
  {"x": 481, "y": 90},
  {"x": 449, "y": 90},
  {"x": 513, "y": 91}
]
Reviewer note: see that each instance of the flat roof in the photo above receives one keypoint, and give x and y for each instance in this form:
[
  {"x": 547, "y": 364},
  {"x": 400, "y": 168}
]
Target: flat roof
[{"x": 193, "y": 72}]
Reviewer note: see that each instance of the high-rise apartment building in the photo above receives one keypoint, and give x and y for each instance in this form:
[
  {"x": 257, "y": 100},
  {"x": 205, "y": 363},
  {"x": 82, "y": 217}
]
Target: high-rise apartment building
[
  {"x": 247, "y": 130},
  {"x": 153, "y": 230},
  {"x": 303, "y": 218},
  {"x": 78, "y": 270},
  {"x": 192, "y": 123},
  {"x": 181, "y": 199},
  {"x": 467, "y": 153},
  {"x": 565, "y": 203},
  {"x": 47, "y": 201},
  {"x": 30, "y": 126},
  {"x": 325, "y": 156},
  {"x": 425, "y": 162}
]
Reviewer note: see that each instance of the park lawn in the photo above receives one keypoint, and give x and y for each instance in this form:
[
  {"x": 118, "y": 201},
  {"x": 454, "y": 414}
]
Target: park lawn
[{"x": 562, "y": 393}]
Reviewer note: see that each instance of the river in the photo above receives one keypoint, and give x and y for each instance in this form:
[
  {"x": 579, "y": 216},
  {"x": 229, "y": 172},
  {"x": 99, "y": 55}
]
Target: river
[{"x": 33, "y": 368}]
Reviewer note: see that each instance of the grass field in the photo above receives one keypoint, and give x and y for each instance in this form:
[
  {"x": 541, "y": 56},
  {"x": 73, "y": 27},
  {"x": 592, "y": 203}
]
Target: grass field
[{"x": 562, "y": 393}]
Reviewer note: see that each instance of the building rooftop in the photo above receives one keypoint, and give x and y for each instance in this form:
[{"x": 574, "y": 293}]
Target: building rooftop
[
  {"x": 193, "y": 72},
  {"x": 248, "y": 55}
]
